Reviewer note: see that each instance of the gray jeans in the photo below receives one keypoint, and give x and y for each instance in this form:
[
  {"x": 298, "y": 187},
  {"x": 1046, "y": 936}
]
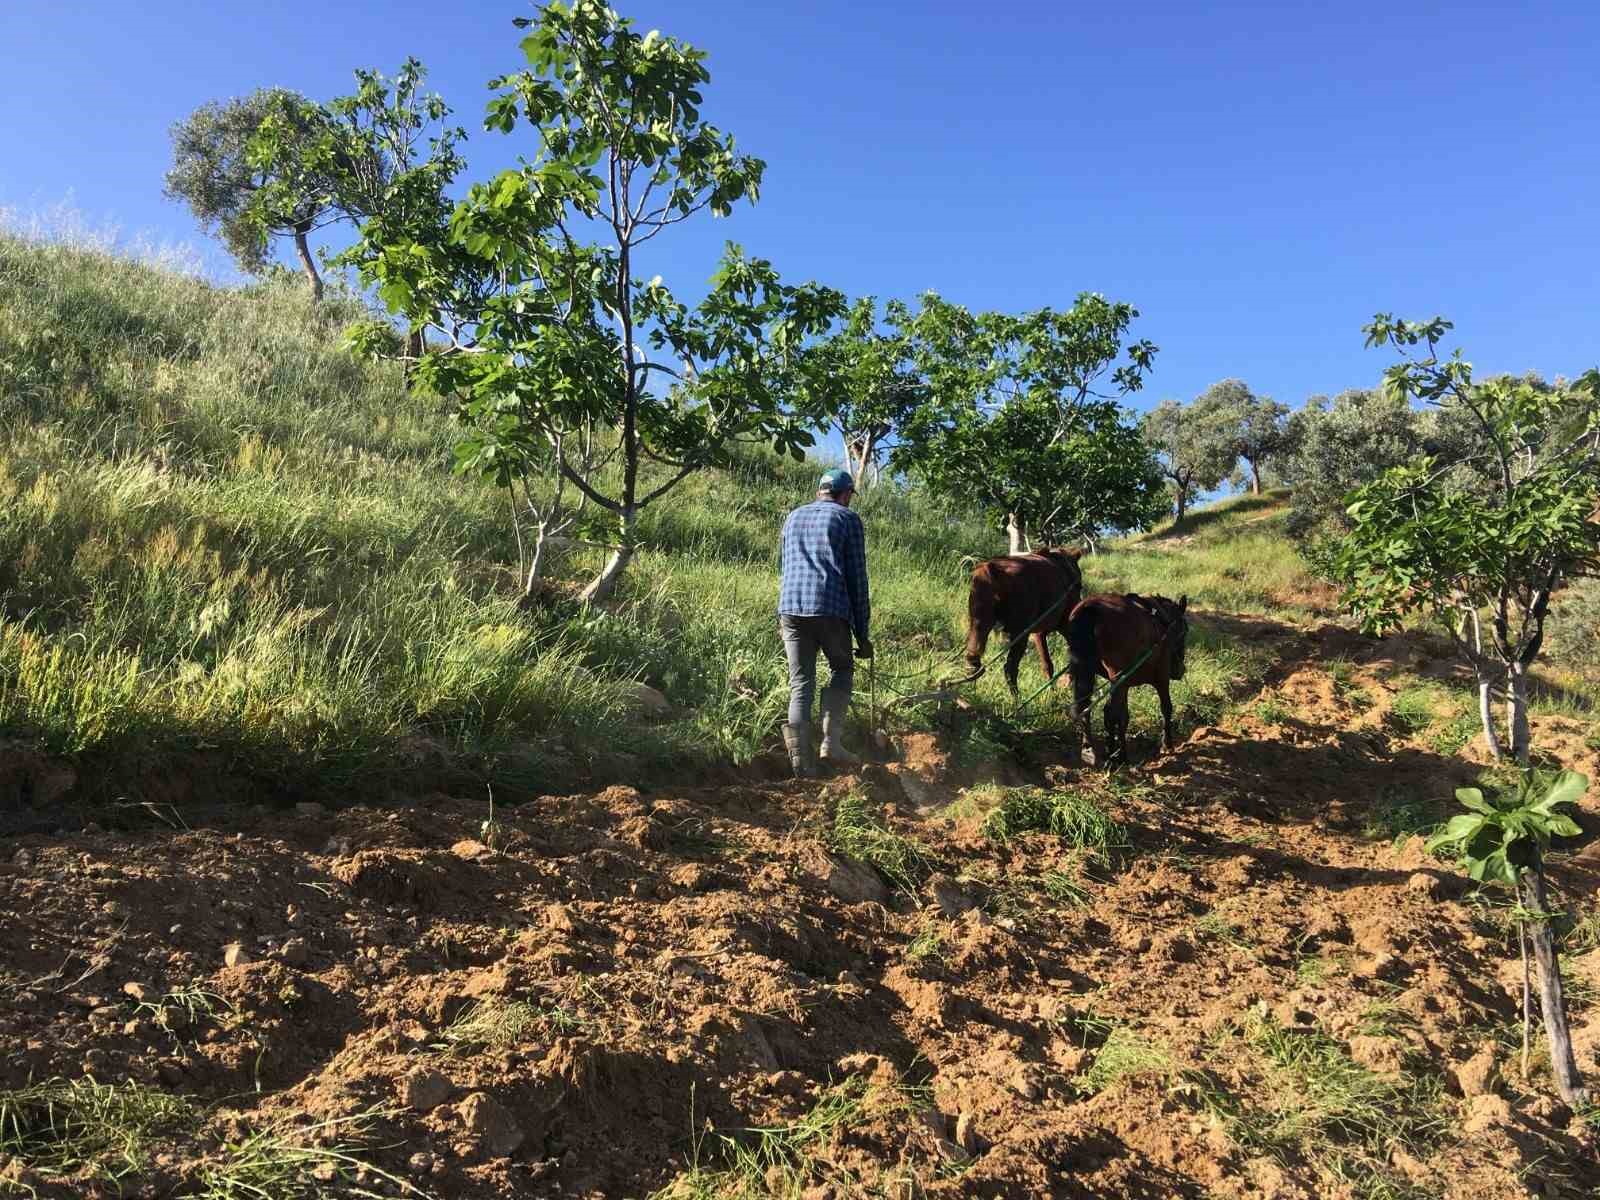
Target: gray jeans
[{"x": 802, "y": 638}]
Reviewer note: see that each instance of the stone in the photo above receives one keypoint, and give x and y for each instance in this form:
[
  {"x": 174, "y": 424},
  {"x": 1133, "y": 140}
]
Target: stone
[
  {"x": 294, "y": 952},
  {"x": 423, "y": 1089},
  {"x": 235, "y": 955},
  {"x": 966, "y": 1134},
  {"x": 136, "y": 991},
  {"x": 853, "y": 882},
  {"x": 495, "y": 1131},
  {"x": 1479, "y": 1075},
  {"x": 469, "y": 849},
  {"x": 947, "y": 894},
  {"x": 849, "y": 979},
  {"x": 644, "y": 698}
]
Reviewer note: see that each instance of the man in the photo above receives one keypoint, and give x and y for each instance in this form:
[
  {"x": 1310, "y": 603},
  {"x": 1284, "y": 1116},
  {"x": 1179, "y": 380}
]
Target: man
[{"x": 822, "y": 597}]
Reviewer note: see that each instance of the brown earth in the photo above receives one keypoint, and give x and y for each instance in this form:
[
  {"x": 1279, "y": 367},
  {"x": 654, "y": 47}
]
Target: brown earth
[{"x": 693, "y": 962}]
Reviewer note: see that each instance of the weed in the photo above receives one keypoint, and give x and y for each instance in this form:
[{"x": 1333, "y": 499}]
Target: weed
[
  {"x": 1456, "y": 733},
  {"x": 288, "y": 1162},
  {"x": 1064, "y": 888},
  {"x": 1384, "y": 1018},
  {"x": 1398, "y": 815},
  {"x": 925, "y": 945},
  {"x": 1089, "y": 1027},
  {"x": 1124, "y": 1053},
  {"x": 1217, "y": 924},
  {"x": 1579, "y": 929},
  {"x": 186, "y": 1008},
  {"x": 63, "y": 1128},
  {"x": 1343, "y": 673},
  {"x": 781, "y": 1160},
  {"x": 1413, "y": 708},
  {"x": 1072, "y": 816},
  {"x": 1271, "y": 710},
  {"x": 1334, "y": 1112},
  {"x": 492, "y": 1025},
  {"x": 858, "y": 834}
]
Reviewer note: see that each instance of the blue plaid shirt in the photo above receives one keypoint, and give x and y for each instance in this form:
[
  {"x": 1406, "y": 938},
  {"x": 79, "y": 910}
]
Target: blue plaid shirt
[{"x": 823, "y": 560}]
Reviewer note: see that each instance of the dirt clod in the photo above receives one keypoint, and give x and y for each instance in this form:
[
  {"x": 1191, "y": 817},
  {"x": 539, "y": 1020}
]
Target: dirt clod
[
  {"x": 493, "y": 1130},
  {"x": 424, "y": 1089},
  {"x": 1479, "y": 1075}
]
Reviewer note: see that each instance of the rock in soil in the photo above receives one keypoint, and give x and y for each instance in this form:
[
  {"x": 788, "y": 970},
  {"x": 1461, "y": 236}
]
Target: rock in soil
[
  {"x": 424, "y": 1089},
  {"x": 947, "y": 894},
  {"x": 493, "y": 1129}
]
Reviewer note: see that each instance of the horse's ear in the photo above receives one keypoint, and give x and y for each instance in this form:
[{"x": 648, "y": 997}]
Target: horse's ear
[{"x": 1183, "y": 603}]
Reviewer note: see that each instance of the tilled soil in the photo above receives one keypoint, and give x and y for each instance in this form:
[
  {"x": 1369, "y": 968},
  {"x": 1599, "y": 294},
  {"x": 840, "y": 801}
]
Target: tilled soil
[{"x": 587, "y": 997}]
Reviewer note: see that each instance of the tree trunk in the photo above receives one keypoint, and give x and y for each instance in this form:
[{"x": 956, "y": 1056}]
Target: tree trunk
[
  {"x": 1486, "y": 684},
  {"x": 536, "y": 566},
  {"x": 1016, "y": 538},
  {"x": 1255, "y": 478},
  {"x": 1517, "y": 711},
  {"x": 306, "y": 263},
  {"x": 1551, "y": 998},
  {"x": 606, "y": 582},
  {"x": 1182, "y": 502}
]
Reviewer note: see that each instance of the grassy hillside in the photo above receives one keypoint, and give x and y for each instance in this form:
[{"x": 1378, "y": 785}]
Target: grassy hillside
[{"x": 220, "y": 533}]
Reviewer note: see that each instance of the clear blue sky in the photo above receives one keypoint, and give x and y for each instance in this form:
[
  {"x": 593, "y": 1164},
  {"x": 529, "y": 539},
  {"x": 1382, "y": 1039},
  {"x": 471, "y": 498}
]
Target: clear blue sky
[{"x": 1257, "y": 178}]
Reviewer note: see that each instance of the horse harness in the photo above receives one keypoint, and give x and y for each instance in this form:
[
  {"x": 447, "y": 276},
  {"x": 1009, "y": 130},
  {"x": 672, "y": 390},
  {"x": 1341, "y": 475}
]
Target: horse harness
[{"x": 1152, "y": 610}]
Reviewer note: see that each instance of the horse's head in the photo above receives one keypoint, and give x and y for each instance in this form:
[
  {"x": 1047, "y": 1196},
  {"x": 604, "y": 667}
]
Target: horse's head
[{"x": 1175, "y": 615}]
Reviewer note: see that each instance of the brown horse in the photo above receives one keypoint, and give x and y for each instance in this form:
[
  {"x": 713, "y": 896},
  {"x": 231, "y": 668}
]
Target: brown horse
[
  {"x": 1017, "y": 592},
  {"x": 1107, "y": 635}
]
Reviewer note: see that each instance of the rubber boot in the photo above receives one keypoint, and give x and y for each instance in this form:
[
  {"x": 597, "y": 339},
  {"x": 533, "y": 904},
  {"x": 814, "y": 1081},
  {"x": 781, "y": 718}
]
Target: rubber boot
[
  {"x": 797, "y": 739},
  {"x": 833, "y": 751}
]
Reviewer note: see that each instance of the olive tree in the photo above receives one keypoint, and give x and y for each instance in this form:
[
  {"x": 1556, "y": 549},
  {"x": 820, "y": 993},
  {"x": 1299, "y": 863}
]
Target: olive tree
[
  {"x": 1484, "y": 537},
  {"x": 556, "y": 340},
  {"x": 1016, "y": 420},
  {"x": 1257, "y": 427},
  {"x": 1194, "y": 446},
  {"x": 246, "y": 201},
  {"x": 1340, "y": 444}
]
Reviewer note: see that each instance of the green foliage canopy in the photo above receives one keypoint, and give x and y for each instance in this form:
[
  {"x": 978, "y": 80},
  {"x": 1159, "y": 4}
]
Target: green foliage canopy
[
  {"x": 555, "y": 339},
  {"x": 1013, "y": 420}
]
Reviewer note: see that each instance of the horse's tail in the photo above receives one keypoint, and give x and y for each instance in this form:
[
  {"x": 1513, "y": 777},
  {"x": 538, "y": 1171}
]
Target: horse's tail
[
  {"x": 1083, "y": 656},
  {"x": 980, "y": 616}
]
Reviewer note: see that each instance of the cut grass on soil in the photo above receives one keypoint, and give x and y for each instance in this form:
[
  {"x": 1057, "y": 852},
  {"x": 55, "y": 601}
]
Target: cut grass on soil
[
  {"x": 1334, "y": 1113},
  {"x": 293, "y": 1162},
  {"x": 859, "y": 834},
  {"x": 66, "y": 1127},
  {"x": 1072, "y": 816},
  {"x": 781, "y": 1161},
  {"x": 1124, "y": 1053}
]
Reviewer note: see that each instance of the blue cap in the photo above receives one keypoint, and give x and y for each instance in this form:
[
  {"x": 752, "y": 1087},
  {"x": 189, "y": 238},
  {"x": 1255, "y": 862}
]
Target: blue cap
[{"x": 835, "y": 482}]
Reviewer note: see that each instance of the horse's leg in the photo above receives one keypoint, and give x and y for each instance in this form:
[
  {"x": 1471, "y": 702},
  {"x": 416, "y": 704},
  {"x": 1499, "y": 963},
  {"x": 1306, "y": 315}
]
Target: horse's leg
[
  {"x": 1166, "y": 713},
  {"x": 980, "y": 619},
  {"x": 1117, "y": 727},
  {"x": 1018, "y": 648},
  {"x": 1041, "y": 641}
]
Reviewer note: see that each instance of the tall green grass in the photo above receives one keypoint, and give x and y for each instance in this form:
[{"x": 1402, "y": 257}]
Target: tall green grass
[{"x": 218, "y": 530}]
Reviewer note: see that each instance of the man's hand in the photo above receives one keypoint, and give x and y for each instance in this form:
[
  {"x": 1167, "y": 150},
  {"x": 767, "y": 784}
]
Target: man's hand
[{"x": 864, "y": 648}]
